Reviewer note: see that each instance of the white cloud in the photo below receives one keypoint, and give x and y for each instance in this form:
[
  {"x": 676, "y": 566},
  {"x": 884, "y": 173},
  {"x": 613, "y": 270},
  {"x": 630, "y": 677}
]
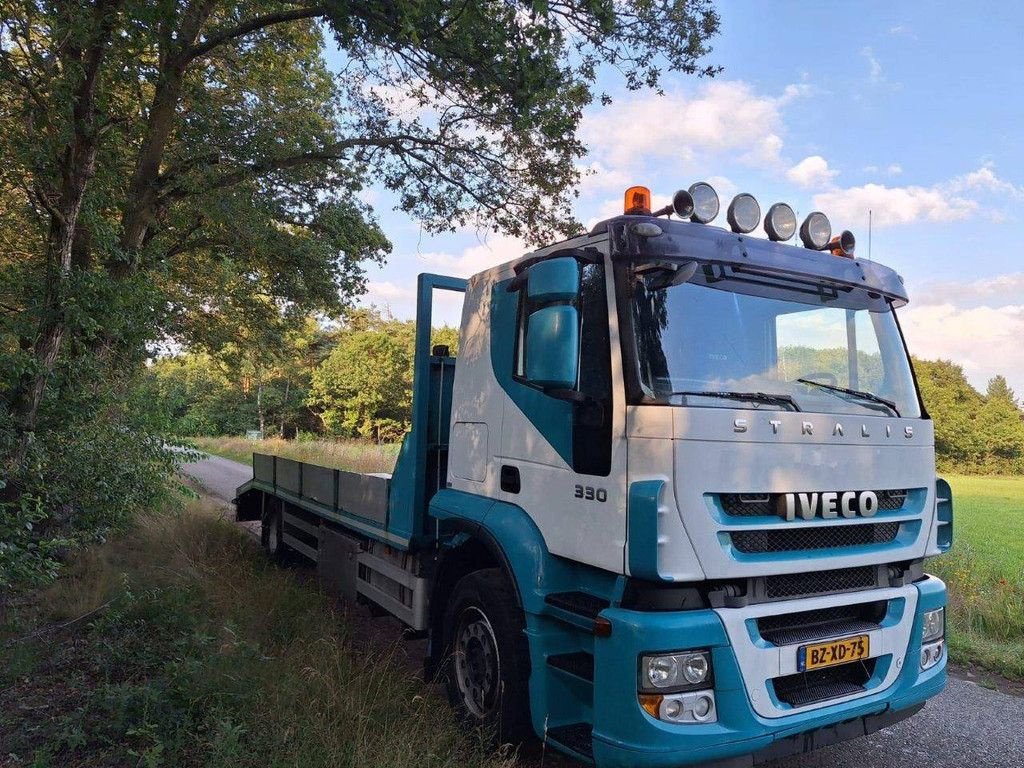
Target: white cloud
[
  {"x": 895, "y": 169},
  {"x": 599, "y": 178},
  {"x": 985, "y": 179},
  {"x": 950, "y": 200},
  {"x": 722, "y": 117},
  {"x": 874, "y": 65},
  {"x": 891, "y": 206},
  {"x": 812, "y": 173},
  {"x": 984, "y": 340},
  {"x": 1005, "y": 289},
  {"x": 385, "y": 292},
  {"x": 476, "y": 258}
]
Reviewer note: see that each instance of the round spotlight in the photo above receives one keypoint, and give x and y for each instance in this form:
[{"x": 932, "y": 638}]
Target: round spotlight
[
  {"x": 780, "y": 223},
  {"x": 744, "y": 213},
  {"x": 816, "y": 231},
  {"x": 844, "y": 245},
  {"x": 705, "y": 202}
]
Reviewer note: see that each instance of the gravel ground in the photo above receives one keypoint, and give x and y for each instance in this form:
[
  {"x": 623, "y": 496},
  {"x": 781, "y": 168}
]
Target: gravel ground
[{"x": 967, "y": 726}]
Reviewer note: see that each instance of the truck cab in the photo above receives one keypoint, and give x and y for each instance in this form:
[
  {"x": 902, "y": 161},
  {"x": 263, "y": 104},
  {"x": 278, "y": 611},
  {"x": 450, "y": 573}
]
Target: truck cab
[{"x": 677, "y": 497}]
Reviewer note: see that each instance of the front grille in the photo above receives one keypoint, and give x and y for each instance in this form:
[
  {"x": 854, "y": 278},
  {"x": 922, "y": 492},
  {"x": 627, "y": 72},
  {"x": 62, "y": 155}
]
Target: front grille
[
  {"x": 767, "y": 504},
  {"x": 791, "y": 585},
  {"x": 805, "y": 688},
  {"x": 814, "y": 537},
  {"x": 836, "y": 621}
]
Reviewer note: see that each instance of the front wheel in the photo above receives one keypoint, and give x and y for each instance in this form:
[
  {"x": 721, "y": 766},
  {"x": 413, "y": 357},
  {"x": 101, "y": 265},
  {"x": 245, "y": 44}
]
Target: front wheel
[{"x": 489, "y": 667}]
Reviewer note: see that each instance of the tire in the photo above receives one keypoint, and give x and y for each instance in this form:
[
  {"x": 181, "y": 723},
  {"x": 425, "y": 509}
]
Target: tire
[
  {"x": 488, "y": 661},
  {"x": 271, "y": 537}
]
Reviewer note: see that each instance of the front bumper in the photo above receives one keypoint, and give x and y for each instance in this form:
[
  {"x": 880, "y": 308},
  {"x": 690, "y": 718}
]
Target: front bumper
[{"x": 625, "y": 735}]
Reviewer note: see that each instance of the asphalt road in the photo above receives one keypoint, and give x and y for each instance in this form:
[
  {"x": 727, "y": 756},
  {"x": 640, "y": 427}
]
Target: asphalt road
[{"x": 967, "y": 726}]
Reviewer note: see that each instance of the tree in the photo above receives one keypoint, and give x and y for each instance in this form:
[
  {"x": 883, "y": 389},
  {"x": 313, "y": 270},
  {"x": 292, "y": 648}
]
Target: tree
[
  {"x": 364, "y": 387},
  {"x": 181, "y": 158}
]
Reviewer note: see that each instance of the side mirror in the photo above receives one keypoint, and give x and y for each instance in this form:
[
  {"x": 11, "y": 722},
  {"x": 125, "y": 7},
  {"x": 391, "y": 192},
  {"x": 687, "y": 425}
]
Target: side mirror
[
  {"x": 552, "y": 340},
  {"x": 553, "y": 347}
]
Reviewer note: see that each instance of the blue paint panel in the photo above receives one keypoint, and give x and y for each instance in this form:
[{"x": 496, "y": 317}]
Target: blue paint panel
[
  {"x": 553, "y": 347},
  {"x": 554, "y": 280},
  {"x": 552, "y": 417},
  {"x": 944, "y": 514},
  {"x": 407, "y": 507},
  {"x": 642, "y": 543}
]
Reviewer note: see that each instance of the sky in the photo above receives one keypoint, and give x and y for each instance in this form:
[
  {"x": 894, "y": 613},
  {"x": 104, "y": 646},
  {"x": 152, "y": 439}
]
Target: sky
[{"x": 912, "y": 111}]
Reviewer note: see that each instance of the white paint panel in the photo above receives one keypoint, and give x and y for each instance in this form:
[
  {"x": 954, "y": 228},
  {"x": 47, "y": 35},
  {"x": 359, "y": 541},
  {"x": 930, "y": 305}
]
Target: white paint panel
[{"x": 467, "y": 451}]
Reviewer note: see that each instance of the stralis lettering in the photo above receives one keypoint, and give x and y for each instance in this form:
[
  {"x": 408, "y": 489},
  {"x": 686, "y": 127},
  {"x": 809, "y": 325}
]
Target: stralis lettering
[
  {"x": 741, "y": 426},
  {"x": 828, "y": 505}
]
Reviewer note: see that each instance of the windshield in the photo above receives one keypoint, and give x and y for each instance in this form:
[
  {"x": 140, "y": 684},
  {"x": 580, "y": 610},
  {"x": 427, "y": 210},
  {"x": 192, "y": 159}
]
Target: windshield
[{"x": 729, "y": 345}]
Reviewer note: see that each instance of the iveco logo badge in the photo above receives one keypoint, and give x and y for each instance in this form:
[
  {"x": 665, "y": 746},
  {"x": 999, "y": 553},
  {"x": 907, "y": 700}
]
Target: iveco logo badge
[{"x": 828, "y": 505}]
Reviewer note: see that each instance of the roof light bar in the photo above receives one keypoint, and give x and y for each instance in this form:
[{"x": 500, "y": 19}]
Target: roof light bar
[
  {"x": 780, "y": 223},
  {"x": 743, "y": 214},
  {"x": 816, "y": 231}
]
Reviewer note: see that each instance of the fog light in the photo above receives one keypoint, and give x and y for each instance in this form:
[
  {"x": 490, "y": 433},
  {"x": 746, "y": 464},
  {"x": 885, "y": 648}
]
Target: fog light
[
  {"x": 682, "y": 708},
  {"x": 702, "y": 707},
  {"x": 931, "y": 654},
  {"x": 933, "y": 625}
]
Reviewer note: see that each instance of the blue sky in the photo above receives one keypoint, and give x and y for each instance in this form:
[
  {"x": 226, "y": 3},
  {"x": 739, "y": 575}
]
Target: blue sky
[{"x": 911, "y": 110}]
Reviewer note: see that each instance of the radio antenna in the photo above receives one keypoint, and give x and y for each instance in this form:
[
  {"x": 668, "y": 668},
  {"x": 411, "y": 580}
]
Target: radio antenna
[{"x": 869, "y": 234}]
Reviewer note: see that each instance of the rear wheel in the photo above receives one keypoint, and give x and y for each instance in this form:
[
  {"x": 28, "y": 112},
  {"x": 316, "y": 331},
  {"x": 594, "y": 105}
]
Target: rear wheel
[
  {"x": 488, "y": 670},
  {"x": 271, "y": 536}
]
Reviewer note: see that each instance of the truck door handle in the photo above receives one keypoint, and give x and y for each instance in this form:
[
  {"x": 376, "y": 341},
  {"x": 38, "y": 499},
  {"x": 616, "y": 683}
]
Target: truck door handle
[{"x": 510, "y": 478}]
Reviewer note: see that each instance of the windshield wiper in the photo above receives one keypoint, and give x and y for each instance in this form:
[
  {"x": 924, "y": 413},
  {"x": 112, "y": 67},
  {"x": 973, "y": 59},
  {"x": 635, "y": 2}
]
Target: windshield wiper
[
  {"x": 756, "y": 397},
  {"x": 870, "y": 396}
]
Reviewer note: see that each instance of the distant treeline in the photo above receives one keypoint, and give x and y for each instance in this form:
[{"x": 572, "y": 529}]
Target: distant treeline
[
  {"x": 351, "y": 381},
  {"x": 356, "y": 381}
]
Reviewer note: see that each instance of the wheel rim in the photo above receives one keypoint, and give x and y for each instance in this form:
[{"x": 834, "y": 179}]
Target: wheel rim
[
  {"x": 272, "y": 536},
  {"x": 477, "y": 664}
]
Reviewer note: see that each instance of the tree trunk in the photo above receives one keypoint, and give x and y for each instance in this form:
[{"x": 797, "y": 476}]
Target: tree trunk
[{"x": 64, "y": 204}]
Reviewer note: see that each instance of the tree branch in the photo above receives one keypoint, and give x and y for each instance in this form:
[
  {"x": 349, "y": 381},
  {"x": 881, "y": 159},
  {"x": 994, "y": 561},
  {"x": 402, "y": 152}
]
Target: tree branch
[{"x": 253, "y": 25}]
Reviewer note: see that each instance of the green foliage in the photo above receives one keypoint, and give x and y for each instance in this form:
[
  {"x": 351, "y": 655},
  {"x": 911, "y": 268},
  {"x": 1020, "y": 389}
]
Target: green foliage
[
  {"x": 364, "y": 387},
  {"x": 183, "y": 668},
  {"x": 973, "y": 432}
]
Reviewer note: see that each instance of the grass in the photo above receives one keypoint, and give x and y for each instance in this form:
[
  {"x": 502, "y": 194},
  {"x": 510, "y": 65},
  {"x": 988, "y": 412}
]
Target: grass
[
  {"x": 353, "y": 455},
  {"x": 985, "y": 574},
  {"x": 190, "y": 650}
]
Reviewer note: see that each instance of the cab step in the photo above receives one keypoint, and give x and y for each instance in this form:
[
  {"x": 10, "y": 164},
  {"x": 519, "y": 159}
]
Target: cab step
[
  {"x": 577, "y": 738},
  {"x": 579, "y": 664}
]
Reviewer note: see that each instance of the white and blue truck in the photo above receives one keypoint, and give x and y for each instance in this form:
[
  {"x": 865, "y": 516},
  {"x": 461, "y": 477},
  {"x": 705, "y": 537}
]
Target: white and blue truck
[{"x": 669, "y": 505}]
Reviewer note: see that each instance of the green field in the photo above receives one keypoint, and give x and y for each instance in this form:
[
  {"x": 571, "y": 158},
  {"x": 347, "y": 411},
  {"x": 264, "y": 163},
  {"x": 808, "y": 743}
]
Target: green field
[{"x": 985, "y": 573}]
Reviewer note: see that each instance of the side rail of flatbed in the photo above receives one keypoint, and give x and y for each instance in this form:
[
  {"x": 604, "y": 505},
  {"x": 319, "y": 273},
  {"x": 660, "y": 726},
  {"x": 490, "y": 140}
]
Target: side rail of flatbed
[{"x": 338, "y": 520}]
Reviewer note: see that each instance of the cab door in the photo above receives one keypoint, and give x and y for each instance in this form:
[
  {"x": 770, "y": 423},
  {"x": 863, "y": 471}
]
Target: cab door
[{"x": 562, "y": 443}]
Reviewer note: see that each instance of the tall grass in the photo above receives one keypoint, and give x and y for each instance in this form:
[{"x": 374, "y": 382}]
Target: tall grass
[
  {"x": 353, "y": 455},
  {"x": 207, "y": 656},
  {"x": 984, "y": 573}
]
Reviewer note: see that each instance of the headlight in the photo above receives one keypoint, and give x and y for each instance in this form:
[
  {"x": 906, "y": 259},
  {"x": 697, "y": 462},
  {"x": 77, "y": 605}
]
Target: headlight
[
  {"x": 934, "y": 623},
  {"x": 676, "y": 671}
]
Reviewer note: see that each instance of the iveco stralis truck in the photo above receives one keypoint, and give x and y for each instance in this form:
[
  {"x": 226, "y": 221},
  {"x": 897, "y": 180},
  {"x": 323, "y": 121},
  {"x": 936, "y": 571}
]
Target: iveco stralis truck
[{"x": 670, "y": 504}]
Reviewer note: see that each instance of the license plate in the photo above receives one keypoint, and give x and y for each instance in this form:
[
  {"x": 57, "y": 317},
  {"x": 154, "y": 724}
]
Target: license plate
[{"x": 831, "y": 653}]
